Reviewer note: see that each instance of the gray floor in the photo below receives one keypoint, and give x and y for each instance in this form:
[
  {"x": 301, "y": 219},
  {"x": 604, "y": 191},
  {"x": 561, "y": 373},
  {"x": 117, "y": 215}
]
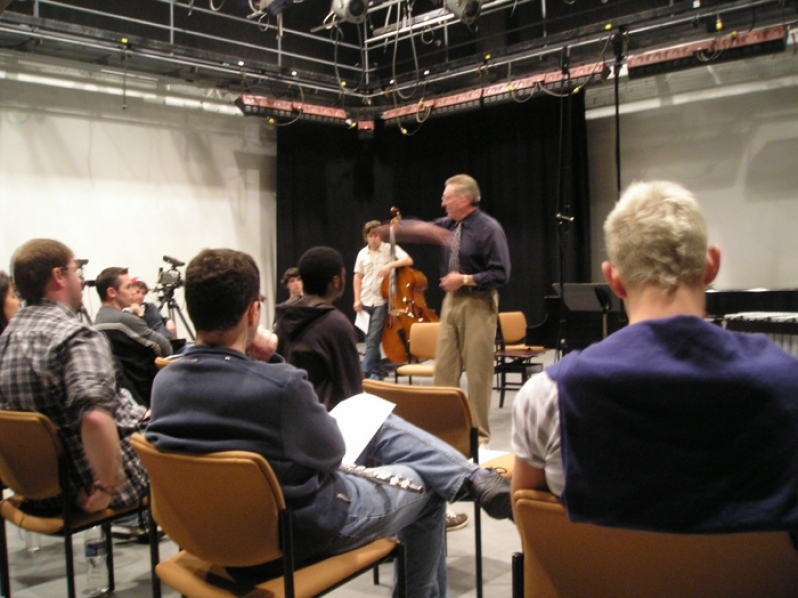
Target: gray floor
[{"x": 41, "y": 574}]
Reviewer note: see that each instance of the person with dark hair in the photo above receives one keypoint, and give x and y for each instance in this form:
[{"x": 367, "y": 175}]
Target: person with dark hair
[
  {"x": 135, "y": 345},
  {"x": 144, "y": 309},
  {"x": 52, "y": 363},
  {"x": 292, "y": 282},
  {"x": 217, "y": 399},
  {"x": 10, "y": 300},
  {"x": 316, "y": 336},
  {"x": 373, "y": 263},
  {"x": 672, "y": 424}
]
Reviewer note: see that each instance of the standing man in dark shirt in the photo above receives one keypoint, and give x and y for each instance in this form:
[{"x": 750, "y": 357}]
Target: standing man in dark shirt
[
  {"x": 475, "y": 263},
  {"x": 474, "y": 266}
]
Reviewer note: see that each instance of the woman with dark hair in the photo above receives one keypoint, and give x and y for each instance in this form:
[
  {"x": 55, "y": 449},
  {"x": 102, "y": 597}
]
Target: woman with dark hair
[{"x": 9, "y": 300}]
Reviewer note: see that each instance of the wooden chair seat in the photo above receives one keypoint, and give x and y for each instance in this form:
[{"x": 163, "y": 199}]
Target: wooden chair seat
[
  {"x": 562, "y": 559},
  {"x": 33, "y": 464},
  {"x": 445, "y": 413},
  {"x": 194, "y": 577},
  {"x": 423, "y": 344},
  {"x": 227, "y": 509}
]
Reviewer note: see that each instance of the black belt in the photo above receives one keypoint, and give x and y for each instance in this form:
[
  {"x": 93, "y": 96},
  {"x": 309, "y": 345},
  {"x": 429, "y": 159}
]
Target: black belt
[{"x": 466, "y": 290}]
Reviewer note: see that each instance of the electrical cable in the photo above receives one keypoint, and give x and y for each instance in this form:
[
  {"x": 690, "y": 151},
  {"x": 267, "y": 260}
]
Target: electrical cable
[{"x": 409, "y": 16}]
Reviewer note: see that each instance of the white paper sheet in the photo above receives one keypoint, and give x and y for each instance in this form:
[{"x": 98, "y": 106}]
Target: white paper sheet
[
  {"x": 362, "y": 321},
  {"x": 359, "y": 417}
]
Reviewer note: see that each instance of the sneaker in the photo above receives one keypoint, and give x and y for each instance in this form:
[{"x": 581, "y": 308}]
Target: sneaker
[
  {"x": 455, "y": 521},
  {"x": 492, "y": 490}
]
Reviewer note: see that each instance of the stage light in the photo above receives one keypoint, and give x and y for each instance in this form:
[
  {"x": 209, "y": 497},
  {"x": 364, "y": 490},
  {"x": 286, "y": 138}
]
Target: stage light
[
  {"x": 351, "y": 11},
  {"x": 466, "y": 11}
]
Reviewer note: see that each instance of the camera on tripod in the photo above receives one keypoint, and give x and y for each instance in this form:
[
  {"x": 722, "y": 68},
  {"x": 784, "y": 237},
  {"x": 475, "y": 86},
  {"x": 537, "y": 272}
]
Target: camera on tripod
[{"x": 169, "y": 280}]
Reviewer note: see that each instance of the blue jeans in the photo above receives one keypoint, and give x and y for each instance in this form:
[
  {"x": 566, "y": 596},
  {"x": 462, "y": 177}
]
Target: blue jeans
[
  {"x": 373, "y": 338},
  {"x": 418, "y": 520}
]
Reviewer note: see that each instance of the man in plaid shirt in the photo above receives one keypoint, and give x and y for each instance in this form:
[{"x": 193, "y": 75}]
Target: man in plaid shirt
[{"x": 52, "y": 363}]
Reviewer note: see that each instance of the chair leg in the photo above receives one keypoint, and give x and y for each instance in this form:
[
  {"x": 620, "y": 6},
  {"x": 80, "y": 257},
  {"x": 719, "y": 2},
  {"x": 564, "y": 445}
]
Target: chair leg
[
  {"x": 518, "y": 575},
  {"x": 401, "y": 572},
  {"x": 478, "y": 546},
  {"x": 376, "y": 574},
  {"x": 70, "y": 561},
  {"x": 155, "y": 555},
  {"x": 5, "y": 580},
  {"x": 503, "y": 386},
  {"x": 109, "y": 551}
]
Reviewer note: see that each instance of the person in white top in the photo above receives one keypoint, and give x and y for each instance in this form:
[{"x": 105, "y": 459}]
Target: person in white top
[{"x": 374, "y": 262}]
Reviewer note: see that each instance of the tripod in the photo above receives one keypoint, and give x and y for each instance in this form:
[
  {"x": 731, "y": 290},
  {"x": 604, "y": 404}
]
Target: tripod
[
  {"x": 84, "y": 316},
  {"x": 168, "y": 298}
]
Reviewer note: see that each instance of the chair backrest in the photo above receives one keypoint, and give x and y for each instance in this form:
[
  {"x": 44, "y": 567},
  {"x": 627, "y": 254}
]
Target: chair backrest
[
  {"x": 442, "y": 411},
  {"x": 29, "y": 454},
  {"x": 221, "y": 507},
  {"x": 572, "y": 560},
  {"x": 161, "y": 363},
  {"x": 513, "y": 326},
  {"x": 423, "y": 340}
]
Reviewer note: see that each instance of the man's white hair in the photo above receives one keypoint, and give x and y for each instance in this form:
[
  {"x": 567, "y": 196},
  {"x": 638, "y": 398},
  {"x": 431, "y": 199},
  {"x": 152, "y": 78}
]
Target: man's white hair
[{"x": 657, "y": 234}]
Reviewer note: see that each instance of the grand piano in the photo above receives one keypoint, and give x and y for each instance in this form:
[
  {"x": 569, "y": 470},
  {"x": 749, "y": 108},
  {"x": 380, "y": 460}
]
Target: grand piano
[{"x": 772, "y": 312}]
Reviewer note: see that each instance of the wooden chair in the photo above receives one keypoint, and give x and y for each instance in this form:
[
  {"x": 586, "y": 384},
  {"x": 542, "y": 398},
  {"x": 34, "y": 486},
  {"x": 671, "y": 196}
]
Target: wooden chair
[
  {"x": 513, "y": 355},
  {"x": 512, "y": 325},
  {"x": 445, "y": 413},
  {"x": 562, "y": 559},
  {"x": 161, "y": 363},
  {"x": 227, "y": 510},
  {"x": 423, "y": 342},
  {"x": 33, "y": 465}
]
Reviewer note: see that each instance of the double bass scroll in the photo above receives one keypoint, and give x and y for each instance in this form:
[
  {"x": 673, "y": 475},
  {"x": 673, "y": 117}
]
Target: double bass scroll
[{"x": 403, "y": 290}]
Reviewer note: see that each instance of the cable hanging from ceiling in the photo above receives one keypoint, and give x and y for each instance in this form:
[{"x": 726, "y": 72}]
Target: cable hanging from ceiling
[{"x": 395, "y": 80}]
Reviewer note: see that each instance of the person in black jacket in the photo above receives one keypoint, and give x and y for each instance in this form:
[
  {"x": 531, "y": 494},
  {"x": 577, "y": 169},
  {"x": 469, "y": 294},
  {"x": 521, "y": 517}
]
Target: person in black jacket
[{"x": 316, "y": 336}]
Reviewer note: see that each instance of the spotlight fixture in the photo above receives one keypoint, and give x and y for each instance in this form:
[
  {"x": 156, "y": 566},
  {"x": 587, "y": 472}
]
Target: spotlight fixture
[
  {"x": 351, "y": 11},
  {"x": 466, "y": 11}
]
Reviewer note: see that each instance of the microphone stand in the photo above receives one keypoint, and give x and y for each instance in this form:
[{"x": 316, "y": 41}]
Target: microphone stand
[{"x": 564, "y": 217}]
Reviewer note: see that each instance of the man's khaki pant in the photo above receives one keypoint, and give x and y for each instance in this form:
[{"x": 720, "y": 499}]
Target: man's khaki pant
[{"x": 466, "y": 342}]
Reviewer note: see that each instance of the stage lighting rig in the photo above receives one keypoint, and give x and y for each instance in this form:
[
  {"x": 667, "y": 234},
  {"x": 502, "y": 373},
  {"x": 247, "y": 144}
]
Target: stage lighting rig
[
  {"x": 350, "y": 11},
  {"x": 466, "y": 11}
]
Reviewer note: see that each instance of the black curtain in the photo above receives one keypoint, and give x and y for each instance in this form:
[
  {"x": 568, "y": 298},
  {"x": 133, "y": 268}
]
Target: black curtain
[{"x": 529, "y": 159}]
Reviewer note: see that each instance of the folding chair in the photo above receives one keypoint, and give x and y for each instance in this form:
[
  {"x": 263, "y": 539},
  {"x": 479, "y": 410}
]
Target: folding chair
[
  {"x": 226, "y": 510},
  {"x": 562, "y": 559},
  {"x": 33, "y": 465}
]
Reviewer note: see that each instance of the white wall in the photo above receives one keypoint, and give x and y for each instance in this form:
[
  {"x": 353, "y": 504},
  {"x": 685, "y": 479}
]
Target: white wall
[
  {"x": 738, "y": 154},
  {"x": 126, "y": 187}
]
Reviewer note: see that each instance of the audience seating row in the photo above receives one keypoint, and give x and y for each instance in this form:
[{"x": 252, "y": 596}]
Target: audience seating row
[{"x": 191, "y": 499}]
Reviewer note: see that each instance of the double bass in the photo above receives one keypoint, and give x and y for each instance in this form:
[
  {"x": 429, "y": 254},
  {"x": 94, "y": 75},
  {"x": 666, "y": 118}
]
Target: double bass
[{"x": 403, "y": 290}]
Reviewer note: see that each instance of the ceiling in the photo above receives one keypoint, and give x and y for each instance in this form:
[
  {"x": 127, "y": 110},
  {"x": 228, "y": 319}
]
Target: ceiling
[{"x": 406, "y": 51}]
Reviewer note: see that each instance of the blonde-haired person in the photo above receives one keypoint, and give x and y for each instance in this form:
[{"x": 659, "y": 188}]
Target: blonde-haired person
[{"x": 671, "y": 410}]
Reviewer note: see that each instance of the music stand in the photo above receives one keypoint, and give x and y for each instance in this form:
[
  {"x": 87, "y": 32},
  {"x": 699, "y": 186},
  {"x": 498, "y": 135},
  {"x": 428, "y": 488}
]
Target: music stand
[{"x": 591, "y": 297}]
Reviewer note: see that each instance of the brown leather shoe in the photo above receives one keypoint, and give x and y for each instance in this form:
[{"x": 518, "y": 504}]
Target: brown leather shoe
[{"x": 455, "y": 521}]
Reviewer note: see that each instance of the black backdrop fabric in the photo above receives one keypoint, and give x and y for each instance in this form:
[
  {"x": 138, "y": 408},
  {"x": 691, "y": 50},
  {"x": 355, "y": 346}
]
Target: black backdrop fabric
[{"x": 330, "y": 183}]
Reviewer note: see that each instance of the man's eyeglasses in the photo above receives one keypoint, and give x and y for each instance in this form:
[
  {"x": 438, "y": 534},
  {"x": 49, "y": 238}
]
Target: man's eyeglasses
[{"x": 78, "y": 270}]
